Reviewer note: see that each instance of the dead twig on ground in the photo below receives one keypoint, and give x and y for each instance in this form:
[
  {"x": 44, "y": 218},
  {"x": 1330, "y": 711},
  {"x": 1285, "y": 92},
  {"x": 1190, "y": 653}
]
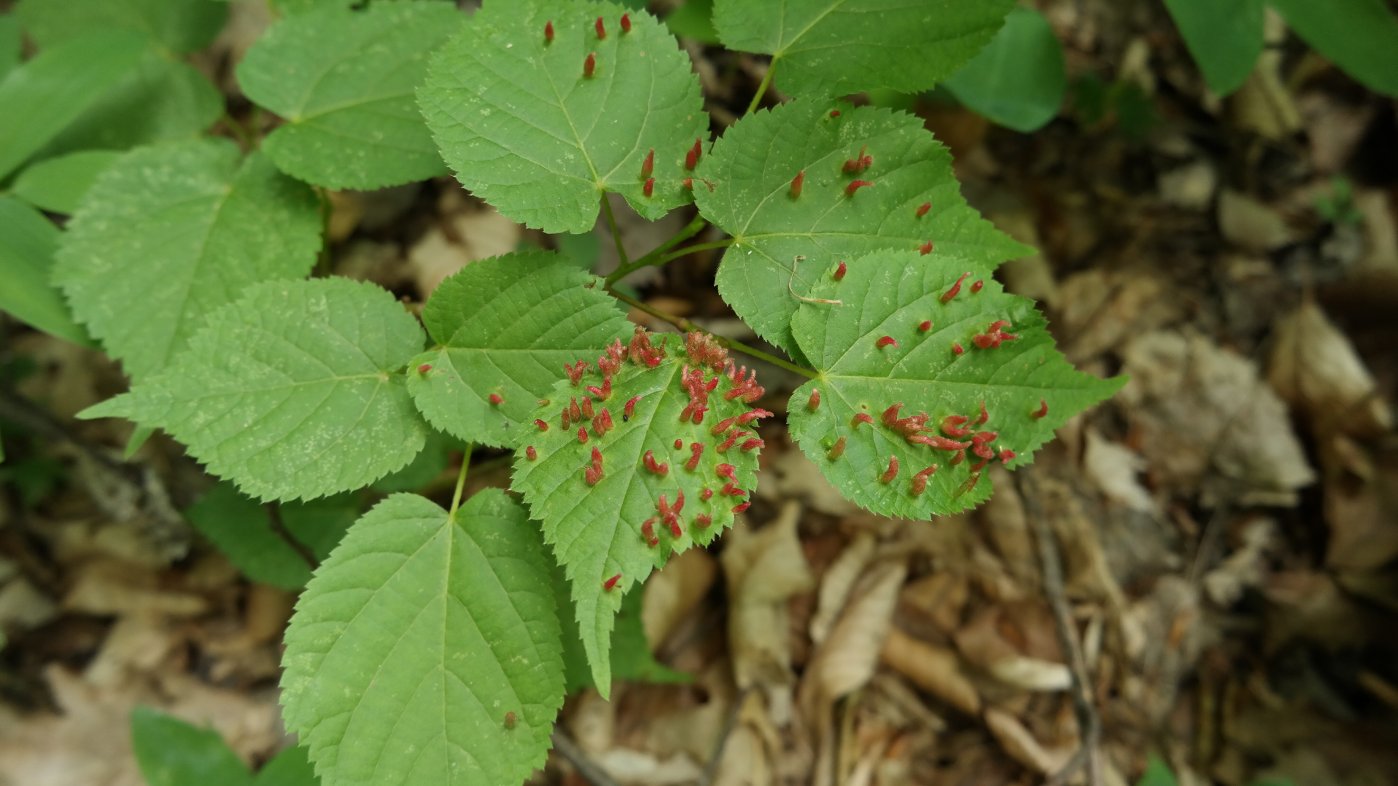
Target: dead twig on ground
[{"x": 1051, "y": 565}]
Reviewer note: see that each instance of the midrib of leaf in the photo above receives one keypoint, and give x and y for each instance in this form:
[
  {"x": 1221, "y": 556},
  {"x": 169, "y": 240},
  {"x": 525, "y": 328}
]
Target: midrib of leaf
[
  {"x": 321, "y": 77},
  {"x": 194, "y": 269},
  {"x": 830, "y": 9}
]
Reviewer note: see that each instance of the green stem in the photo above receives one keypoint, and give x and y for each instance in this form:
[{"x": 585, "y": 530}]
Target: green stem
[
  {"x": 461, "y": 480},
  {"x": 733, "y": 344},
  {"x": 616, "y": 230},
  {"x": 694, "y": 249},
  {"x": 651, "y": 258},
  {"x": 762, "y": 87}
]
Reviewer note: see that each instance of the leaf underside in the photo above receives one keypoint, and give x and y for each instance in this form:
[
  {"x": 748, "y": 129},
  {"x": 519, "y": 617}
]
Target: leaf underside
[
  {"x": 294, "y": 391},
  {"x": 426, "y": 649},
  {"x": 616, "y": 527},
  {"x": 838, "y": 47},
  {"x": 749, "y": 194},
  {"x": 171, "y": 232},
  {"x": 1025, "y": 385},
  {"x": 525, "y": 130},
  {"x": 506, "y": 327},
  {"x": 344, "y": 81}
]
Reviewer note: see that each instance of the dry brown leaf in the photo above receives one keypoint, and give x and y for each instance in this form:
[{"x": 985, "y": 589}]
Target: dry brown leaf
[
  {"x": 763, "y": 570},
  {"x": 845, "y": 661},
  {"x": 939, "y": 598},
  {"x": 1246, "y": 567},
  {"x": 1315, "y": 369},
  {"x": 1021, "y": 745},
  {"x": 631, "y": 766},
  {"x": 1250, "y": 224},
  {"x": 1113, "y": 468},
  {"x": 838, "y": 580},
  {"x": 1099, "y": 310},
  {"x": 1264, "y": 105},
  {"x": 1205, "y": 421},
  {"x": 110, "y": 587},
  {"x": 672, "y": 594},
  {"x": 933, "y": 668},
  {"x": 1361, "y": 505},
  {"x": 793, "y": 476},
  {"x": 983, "y": 644}
]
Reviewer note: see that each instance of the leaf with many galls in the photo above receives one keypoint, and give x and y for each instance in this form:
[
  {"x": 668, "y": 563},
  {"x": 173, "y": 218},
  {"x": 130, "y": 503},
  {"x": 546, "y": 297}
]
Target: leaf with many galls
[
  {"x": 928, "y": 375},
  {"x": 812, "y": 182},
  {"x": 633, "y": 458},
  {"x": 543, "y": 107}
]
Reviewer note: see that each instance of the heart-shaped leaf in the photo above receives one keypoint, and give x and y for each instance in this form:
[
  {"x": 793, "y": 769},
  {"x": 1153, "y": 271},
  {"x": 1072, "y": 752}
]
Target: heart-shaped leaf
[
  {"x": 426, "y": 650},
  {"x": 927, "y": 375},
  {"x": 785, "y": 185},
  {"x": 526, "y": 128},
  {"x": 293, "y": 391},
  {"x": 651, "y": 450}
]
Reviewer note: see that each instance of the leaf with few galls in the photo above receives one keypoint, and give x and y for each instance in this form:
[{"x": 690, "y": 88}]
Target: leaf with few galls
[
  {"x": 293, "y": 391},
  {"x": 543, "y": 107},
  {"x": 506, "y": 327},
  {"x": 838, "y": 47},
  {"x": 427, "y": 649},
  {"x": 928, "y": 375},
  {"x": 648, "y": 451},
  {"x": 812, "y": 182}
]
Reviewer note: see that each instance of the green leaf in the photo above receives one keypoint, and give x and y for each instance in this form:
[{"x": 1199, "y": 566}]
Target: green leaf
[
  {"x": 171, "y": 232},
  {"x": 171, "y": 752},
  {"x": 27, "y": 245},
  {"x": 1018, "y": 80},
  {"x": 159, "y": 100},
  {"x": 507, "y": 326},
  {"x": 292, "y": 391},
  {"x": 1157, "y": 773},
  {"x": 431, "y": 462},
  {"x": 419, "y": 640},
  {"x": 837, "y": 47},
  {"x": 41, "y": 97},
  {"x": 1361, "y": 36},
  {"x": 291, "y": 767},
  {"x": 890, "y": 294},
  {"x": 523, "y": 129},
  {"x": 1225, "y": 38},
  {"x": 598, "y": 530},
  {"x": 241, "y": 528},
  {"x": 58, "y": 184},
  {"x": 10, "y": 43},
  {"x": 694, "y": 19},
  {"x": 344, "y": 81},
  {"x": 631, "y": 655},
  {"x": 751, "y": 169},
  {"x": 178, "y": 25}
]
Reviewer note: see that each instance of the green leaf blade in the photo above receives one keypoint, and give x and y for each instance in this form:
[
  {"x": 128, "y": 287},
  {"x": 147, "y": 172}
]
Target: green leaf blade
[
  {"x": 41, "y": 97},
  {"x": 597, "y": 531},
  {"x": 170, "y": 233},
  {"x": 887, "y": 294},
  {"x": 522, "y": 128},
  {"x": 345, "y": 82},
  {"x": 751, "y": 168},
  {"x": 58, "y": 184},
  {"x": 506, "y": 327},
  {"x": 838, "y": 47},
  {"x": 1225, "y": 39},
  {"x": 293, "y": 391},
  {"x": 28, "y": 242},
  {"x": 1361, "y": 36},
  {"x": 1019, "y": 79},
  {"x": 417, "y": 638},
  {"x": 171, "y": 752},
  {"x": 178, "y": 25}
]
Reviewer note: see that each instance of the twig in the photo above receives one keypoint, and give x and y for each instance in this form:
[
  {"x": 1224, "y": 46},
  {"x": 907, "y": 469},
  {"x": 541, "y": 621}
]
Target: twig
[
  {"x": 729, "y": 723},
  {"x": 586, "y": 767},
  {"x": 274, "y": 514},
  {"x": 1051, "y": 564}
]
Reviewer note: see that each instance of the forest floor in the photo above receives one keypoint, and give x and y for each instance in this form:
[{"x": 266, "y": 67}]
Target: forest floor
[{"x": 1203, "y": 570}]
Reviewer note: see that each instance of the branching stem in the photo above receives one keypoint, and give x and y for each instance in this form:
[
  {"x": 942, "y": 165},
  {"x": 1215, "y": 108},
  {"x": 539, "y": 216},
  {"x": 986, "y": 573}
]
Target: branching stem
[
  {"x": 654, "y": 256},
  {"x": 762, "y": 87},
  {"x": 616, "y": 231}
]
